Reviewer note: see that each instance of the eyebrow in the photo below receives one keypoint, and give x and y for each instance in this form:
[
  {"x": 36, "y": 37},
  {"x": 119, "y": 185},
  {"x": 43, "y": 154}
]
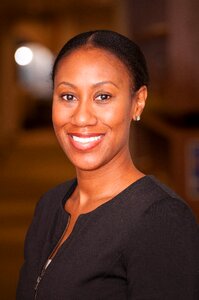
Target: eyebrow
[
  {"x": 106, "y": 82},
  {"x": 66, "y": 83},
  {"x": 95, "y": 85}
]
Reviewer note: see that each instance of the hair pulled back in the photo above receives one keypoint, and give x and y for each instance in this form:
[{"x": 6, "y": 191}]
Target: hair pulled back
[{"x": 122, "y": 47}]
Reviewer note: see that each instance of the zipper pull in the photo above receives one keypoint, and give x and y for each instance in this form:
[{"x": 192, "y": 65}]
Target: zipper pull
[
  {"x": 38, "y": 281},
  {"x": 39, "y": 278}
]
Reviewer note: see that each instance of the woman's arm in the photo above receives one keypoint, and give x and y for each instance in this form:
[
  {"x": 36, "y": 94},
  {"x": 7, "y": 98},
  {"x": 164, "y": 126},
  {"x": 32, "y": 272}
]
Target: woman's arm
[{"x": 163, "y": 255}]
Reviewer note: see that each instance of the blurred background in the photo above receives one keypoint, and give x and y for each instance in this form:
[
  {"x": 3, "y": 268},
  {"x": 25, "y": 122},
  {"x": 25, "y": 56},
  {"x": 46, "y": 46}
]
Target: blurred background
[{"x": 166, "y": 141}]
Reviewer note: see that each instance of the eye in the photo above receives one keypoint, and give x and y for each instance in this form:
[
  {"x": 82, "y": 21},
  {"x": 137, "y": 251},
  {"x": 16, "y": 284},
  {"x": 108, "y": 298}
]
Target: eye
[
  {"x": 103, "y": 97},
  {"x": 68, "y": 97}
]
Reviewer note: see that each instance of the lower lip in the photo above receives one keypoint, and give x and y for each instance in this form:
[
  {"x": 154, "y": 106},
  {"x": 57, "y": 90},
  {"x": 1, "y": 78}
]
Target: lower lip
[{"x": 85, "y": 146}]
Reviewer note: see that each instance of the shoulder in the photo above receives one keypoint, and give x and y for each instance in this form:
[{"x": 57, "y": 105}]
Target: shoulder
[
  {"x": 165, "y": 203},
  {"x": 48, "y": 209},
  {"x": 154, "y": 210},
  {"x": 163, "y": 212},
  {"x": 162, "y": 244},
  {"x": 163, "y": 222},
  {"x": 54, "y": 197},
  {"x": 149, "y": 195}
]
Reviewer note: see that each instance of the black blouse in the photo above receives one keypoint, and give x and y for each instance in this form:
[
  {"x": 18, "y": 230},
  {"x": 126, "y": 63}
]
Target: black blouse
[{"x": 142, "y": 244}]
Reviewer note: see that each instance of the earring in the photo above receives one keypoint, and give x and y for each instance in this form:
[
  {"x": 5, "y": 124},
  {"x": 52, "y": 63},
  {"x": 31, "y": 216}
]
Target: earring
[{"x": 137, "y": 118}]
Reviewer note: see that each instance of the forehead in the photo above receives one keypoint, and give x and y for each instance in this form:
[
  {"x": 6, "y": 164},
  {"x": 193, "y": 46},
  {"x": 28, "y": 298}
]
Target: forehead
[{"x": 89, "y": 56}]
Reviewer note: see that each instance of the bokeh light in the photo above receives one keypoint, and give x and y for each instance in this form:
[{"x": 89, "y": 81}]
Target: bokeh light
[
  {"x": 34, "y": 64},
  {"x": 23, "y": 56}
]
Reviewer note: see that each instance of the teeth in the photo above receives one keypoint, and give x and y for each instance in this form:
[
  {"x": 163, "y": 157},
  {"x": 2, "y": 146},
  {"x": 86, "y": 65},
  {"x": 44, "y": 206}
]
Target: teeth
[{"x": 85, "y": 140}]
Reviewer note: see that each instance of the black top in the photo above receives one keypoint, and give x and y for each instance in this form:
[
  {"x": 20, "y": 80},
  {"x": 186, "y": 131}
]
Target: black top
[{"x": 142, "y": 244}]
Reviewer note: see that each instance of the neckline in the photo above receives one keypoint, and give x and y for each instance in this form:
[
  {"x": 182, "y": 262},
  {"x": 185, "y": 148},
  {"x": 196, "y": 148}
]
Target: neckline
[{"x": 108, "y": 203}]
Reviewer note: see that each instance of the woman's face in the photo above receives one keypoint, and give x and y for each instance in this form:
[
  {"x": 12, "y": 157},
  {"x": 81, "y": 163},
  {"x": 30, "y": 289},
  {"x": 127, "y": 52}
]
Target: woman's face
[{"x": 92, "y": 107}]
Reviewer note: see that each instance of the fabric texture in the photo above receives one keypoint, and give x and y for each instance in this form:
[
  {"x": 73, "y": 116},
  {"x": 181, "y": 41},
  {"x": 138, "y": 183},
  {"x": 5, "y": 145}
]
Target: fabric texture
[{"x": 142, "y": 244}]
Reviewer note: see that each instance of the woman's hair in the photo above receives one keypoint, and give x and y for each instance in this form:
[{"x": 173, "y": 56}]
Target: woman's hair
[{"x": 122, "y": 47}]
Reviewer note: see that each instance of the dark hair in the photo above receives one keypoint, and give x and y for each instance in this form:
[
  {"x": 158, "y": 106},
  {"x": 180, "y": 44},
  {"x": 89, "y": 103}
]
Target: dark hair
[{"x": 122, "y": 47}]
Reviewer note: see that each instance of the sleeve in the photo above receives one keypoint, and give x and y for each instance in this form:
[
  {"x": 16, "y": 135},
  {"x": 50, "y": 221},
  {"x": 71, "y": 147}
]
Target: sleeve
[{"x": 162, "y": 257}]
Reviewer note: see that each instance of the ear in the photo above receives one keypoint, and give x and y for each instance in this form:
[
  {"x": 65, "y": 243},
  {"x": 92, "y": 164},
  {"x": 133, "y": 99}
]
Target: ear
[{"x": 139, "y": 100}]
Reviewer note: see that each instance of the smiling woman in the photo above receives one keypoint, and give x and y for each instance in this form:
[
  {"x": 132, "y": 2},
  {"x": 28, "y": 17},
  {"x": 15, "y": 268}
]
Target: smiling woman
[
  {"x": 112, "y": 232},
  {"x": 93, "y": 106}
]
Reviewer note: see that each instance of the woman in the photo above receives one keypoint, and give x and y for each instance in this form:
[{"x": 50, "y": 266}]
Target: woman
[{"x": 113, "y": 232}]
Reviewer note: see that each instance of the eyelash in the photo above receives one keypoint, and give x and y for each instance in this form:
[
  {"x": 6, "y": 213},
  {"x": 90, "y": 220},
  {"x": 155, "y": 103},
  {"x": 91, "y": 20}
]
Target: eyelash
[
  {"x": 66, "y": 96},
  {"x": 107, "y": 97},
  {"x": 103, "y": 97}
]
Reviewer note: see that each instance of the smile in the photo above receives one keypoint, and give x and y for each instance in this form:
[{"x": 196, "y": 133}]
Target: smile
[{"x": 86, "y": 142}]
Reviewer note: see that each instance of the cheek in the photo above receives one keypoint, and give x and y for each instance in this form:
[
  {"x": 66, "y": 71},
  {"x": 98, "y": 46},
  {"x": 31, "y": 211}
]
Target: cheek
[
  {"x": 59, "y": 115},
  {"x": 118, "y": 116}
]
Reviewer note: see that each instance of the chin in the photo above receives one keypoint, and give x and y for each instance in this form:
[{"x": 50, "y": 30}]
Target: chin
[
  {"x": 87, "y": 166},
  {"x": 89, "y": 161}
]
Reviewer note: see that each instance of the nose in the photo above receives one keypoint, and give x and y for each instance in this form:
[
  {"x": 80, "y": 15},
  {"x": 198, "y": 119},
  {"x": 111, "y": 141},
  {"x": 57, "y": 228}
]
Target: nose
[{"x": 84, "y": 115}]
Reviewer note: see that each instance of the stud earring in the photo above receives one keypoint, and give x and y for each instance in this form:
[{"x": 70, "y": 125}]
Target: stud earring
[{"x": 137, "y": 118}]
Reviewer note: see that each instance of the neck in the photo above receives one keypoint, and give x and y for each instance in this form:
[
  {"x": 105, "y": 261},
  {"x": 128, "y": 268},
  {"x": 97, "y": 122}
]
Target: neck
[{"x": 106, "y": 182}]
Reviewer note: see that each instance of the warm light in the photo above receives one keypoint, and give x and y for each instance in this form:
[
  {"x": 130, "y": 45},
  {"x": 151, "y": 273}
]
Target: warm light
[
  {"x": 34, "y": 66},
  {"x": 23, "y": 56}
]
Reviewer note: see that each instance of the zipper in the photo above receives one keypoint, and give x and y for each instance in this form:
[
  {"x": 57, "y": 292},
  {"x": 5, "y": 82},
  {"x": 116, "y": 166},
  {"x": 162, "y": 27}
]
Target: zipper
[
  {"x": 39, "y": 278},
  {"x": 50, "y": 258}
]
